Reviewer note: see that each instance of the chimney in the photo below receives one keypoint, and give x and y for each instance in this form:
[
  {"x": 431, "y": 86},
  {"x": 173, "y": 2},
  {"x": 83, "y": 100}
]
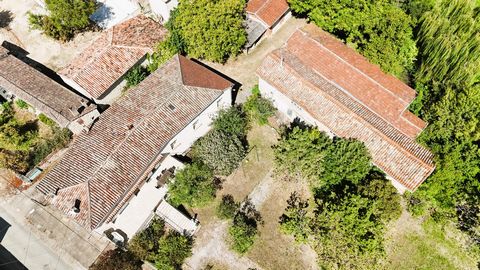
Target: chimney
[{"x": 76, "y": 206}]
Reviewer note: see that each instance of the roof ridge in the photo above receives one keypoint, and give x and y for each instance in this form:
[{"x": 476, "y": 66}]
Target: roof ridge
[{"x": 350, "y": 65}]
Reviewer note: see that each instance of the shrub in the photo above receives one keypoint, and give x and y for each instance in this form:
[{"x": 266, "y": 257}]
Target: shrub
[
  {"x": 21, "y": 104},
  {"x": 17, "y": 161},
  {"x": 227, "y": 207},
  {"x": 242, "y": 233},
  {"x": 135, "y": 76},
  {"x": 221, "y": 151},
  {"x": 65, "y": 18},
  {"x": 173, "y": 250},
  {"x": 295, "y": 220},
  {"x": 232, "y": 121},
  {"x": 145, "y": 244},
  {"x": 257, "y": 108},
  {"x": 116, "y": 259},
  {"x": 42, "y": 149},
  {"x": 194, "y": 185},
  {"x": 18, "y": 136},
  {"x": 46, "y": 120}
]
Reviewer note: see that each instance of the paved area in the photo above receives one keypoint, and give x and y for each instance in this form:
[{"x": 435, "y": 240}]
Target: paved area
[
  {"x": 242, "y": 69},
  {"x": 22, "y": 248},
  {"x": 48, "y": 240},
  {"x": 41, "y": 48}
]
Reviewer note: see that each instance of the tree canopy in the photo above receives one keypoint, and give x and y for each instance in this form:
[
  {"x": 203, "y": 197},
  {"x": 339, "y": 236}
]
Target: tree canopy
[
  {"x": 211, "y": 30},
  {"x": 65, "y": 18},
  {"x": 380, "y": 30},
  {"x": 193, "y": 185}
]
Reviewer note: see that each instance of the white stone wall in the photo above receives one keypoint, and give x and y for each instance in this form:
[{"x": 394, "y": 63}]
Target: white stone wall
[{"x": 181, "y": 143}]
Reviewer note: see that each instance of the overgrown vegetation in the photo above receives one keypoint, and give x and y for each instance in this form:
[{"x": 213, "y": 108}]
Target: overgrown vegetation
[
  {"x": 193, "y": 185},
  {"x": 65, "y": 18},
  {"x": 21, "y": 146},
  {"x": 135, "y": 76},
  {"x": 227, "y": 207},
  {"x": 21, "y": 104},
  {"x": 46, "y": 120},
  {"x": 351, "y": 204},
  {"x": 380, "y": 30},
  {"x": 258, "y": 108},
  {"x": 165, "y": 249},
  {"x": 243, "y": 229},
  {"x": 211, "y": 30}
]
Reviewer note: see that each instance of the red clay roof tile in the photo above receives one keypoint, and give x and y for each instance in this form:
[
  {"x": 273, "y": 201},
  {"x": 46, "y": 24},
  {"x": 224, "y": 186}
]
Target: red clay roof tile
[{"x": 268, "y": 11}]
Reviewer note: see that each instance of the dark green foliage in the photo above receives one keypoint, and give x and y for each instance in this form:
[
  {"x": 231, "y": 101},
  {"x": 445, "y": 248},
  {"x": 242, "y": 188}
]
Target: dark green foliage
[
  {"x": 243, "y": 230},
  {"x": 46, "y": 120},
  {"x": 310, "y": 153},
  {"x": 65, "y": 18},
  {"x": 449, "y": 42},
  {"x": 257, "y": 108},
  {"x": 220, "y": 151},
  {"x": 212, "y": 30},
  {"x": 15, "y": 135},
  {"x": 193, "y": 185},
  {"x": 295, "y": 219},
  {"x": 227, "y": 207},
  {"x": 345, "y": 159},
  {"x": 379, "y": 30},
  {"x": 173, "y": 249},
  {"x": 416, "y": 8},
  {"x": 117, "y": 259},
  {"x": 145, "y": 244},
  {"x": 21, "y": 104},
  {"x": 232, "y": 121},
  {"x": 135, "y": 76}
]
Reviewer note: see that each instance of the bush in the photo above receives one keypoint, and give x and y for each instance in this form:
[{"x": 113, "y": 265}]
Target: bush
[
  {"x": 21, "y": 104},
  {"x": 232, "y": 121},
  {"x": 242, "y": 232},
  {"x": 257, "y": 108},
  {"x": 221, "y": 151},
  {"x": 42, "y": 149},
  {"x": 194, "y": 185},
  {"x": 173, "y": 250},
  {"x": 295, "y": 220},
  {"x": 135, "y": 76},
  {"x": 46, "y": 120},
  {"x": 65, "y": 18},
  {"x": 145, "y": 244},
  {"x": 227, "y": 207},
  {"x": 17, "y": 161},
  {"x": 117, "y": 259}
]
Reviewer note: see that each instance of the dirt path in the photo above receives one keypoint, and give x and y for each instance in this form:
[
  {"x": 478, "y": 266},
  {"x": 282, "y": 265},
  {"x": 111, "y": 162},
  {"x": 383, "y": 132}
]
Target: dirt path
[{"x": 242, "y": 69}]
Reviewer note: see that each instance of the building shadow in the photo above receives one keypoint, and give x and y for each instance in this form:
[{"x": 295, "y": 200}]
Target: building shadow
[
  {"x": 8, "y": 261},
  {"x": 22, "y": 55},
  {"x": 4, "y": 225}
]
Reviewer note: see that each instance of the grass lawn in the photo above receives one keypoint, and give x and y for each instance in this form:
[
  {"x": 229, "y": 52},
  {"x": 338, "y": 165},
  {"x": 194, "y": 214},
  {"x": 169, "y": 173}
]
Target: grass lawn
[{"x": 417, "y": 244}]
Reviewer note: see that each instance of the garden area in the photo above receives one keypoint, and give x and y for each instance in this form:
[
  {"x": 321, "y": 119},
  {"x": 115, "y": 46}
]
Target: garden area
[{"x": 26, "y": 139}]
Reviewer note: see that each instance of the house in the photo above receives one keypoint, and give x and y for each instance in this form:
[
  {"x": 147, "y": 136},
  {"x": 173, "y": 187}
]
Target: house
[
  {"x": 99, "y": 70},
  {"x": 19, "y": 80},
  {"x": 264, "y": 17},
  {"x": 163, "y": 8},
  {"x": 163, "y": 116},
  {"x": 317, "y": 78}
]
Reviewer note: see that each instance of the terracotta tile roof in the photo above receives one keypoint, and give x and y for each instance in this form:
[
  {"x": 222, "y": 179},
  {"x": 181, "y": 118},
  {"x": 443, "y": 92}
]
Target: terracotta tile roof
[
  {"x": 268, "y": 11},
  {"x": 110, "y": 161},
  {"x": 38, "y": 90},
  {"x": 351, "y": 103},
  {"x": 112, "y": 54},
  {"x": 196, "y": 75}
]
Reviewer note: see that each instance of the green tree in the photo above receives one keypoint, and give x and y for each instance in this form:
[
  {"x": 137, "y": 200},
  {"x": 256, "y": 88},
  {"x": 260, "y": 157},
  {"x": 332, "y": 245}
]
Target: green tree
[
  {"x": 220, "y": 151},
  {"x": 380, "y": 30},
  {"x": 300, "y": 151},
  {"x": 145, "y": 244},
  {"x": 17, "y": 161},
  {"x": 212, "y": 30},
  {"x": 227, "y": 207},
  {"x": 173, "y": 250},
  {"x": 193, "y": 185},
  {"x": 232, "y": 121},
  {"x": 295, "y": 219},
  {"x": 449, "y": 42},
  {"x": 117, "y": 259},
  {"x": 65, "y": 18},
  {"x": 17, "y": 136},
  {"x": 135, "y": 76},
  {"x": 242, "y": 233}
]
